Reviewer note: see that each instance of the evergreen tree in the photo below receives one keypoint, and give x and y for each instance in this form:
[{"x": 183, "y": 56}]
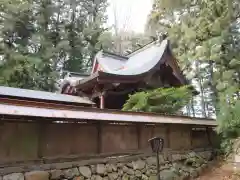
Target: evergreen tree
[
  {"x": 16, "y": 68},
  {"x": 207, "y": 32},
  {"x": 203, "y": 31},
  {"x": 83, "y": 30},
  {"x": 41, "y": 38}
]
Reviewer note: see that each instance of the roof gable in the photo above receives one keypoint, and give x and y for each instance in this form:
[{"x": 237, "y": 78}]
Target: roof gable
[{"x": 108, "y": 62}]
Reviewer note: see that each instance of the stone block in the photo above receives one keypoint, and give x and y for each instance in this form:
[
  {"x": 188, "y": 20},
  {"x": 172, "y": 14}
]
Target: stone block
[
  {"x": 37, "y": 175},
  {"x": 148, "y": 172},
  {"x": 133, "y": 178},
  {"x": 144, "y": 170},
  {"x": 144, "y": 177},
  {"x": 114, "y": 167},
  {"x": 191, "y": 154},
  {"x": 85, "y": 171},
  {"x": 168, "y": 175},
  {"x": 127, "y": 170},
  {"x": 176, "y": 166},
  {"x": 184, "y": 176},
  {"x": 177, "y": 157},
  {"x": 120, "y": 172},
  {"x": 111, "y": 168},
  {"x": 165, "y": 166},
  {"x": 93, "y": 169},
  {"x": 151, "y": 161},
  {"x": 138, "y": 173},
  {"x": 199, "y": 170},
  {"x": 161, "y": 158},
  {"x": 70, "y": 173},
  {"x": 120, "y": 165},
  {"x": 130, "y": 165},
  {"x": 193, "y": 173},
  {"x": 14, "y": 176},
  {"x": 101, "y": 169},
  {"x": 96, "y": 177},
  {"x": 204, "y": 166},
  {"x": 78, "y": 178},
  {"x": 206, "y": 155},
  {"x": 126, "y": 177},
  {"x": 138, "y": 165},
  {"x": 113, "y": 176},
  {"x": 56, "y": 174},
  {"x": 153, "y": 178}
]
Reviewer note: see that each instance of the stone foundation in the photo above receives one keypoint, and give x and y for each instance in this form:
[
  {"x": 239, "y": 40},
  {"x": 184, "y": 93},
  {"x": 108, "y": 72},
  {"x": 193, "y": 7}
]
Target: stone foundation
[{"x": 173, "y": 166}]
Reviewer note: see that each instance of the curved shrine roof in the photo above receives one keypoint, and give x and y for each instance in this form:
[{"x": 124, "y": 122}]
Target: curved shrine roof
[
  {"x": 109, "y": 67},
  {"x": 139, "y": 63}
]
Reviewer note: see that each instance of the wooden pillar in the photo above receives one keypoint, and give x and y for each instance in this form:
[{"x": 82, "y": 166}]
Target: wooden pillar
[{"x": 102, "y": 100}]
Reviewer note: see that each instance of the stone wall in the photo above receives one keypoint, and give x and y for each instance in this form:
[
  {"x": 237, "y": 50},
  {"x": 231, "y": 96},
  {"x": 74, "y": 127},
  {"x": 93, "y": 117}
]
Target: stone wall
[{"x": 172, "y": 165}]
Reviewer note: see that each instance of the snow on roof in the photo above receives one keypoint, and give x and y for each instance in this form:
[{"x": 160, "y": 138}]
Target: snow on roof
[
  {"x": 139, "y": 62},
  {"x": 109, "y": 63},
  {"x": 41, "y": 95}
]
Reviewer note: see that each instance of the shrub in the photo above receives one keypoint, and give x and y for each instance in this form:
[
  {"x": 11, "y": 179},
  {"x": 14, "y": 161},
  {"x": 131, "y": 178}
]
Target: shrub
[{"x": 161, "y": 100}]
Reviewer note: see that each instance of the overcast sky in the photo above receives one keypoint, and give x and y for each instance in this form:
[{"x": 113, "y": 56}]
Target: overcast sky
[{"x": 133, "y": 13}]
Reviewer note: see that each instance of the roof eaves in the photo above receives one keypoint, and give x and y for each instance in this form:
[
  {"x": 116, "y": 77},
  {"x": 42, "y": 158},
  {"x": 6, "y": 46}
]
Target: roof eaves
[
  {"x": 102, "y": 115},
  {"x": 41, "y": 96},
  {"x": 88, "y": 79}
]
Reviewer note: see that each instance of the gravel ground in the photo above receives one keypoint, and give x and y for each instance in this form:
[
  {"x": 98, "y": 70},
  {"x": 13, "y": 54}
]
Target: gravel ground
[{"x": 220, "y": 171}]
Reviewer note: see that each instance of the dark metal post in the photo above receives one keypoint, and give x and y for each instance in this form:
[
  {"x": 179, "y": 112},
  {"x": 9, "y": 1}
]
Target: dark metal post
[
  {"x": 158, "y": 168},
  {"x": 157, "y": 146}
]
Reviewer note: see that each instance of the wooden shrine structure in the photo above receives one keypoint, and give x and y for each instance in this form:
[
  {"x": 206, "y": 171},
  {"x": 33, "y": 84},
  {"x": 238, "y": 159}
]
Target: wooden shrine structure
[{"x": 113, "y": 77}]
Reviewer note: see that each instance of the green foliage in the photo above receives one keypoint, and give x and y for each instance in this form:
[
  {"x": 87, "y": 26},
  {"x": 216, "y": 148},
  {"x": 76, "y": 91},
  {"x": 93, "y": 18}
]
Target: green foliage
[
  {"x": 226, "y": 146},
  {"x": 229, "y": 120},
  {"x": 40, "y": 39},
  {"x": 205, "y": 38},
  {"x": 162, "y": 100}
]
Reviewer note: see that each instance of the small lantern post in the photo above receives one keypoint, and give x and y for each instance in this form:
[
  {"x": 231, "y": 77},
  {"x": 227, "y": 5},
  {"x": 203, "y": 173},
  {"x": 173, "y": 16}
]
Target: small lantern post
[{"x": 157, "y": 146}]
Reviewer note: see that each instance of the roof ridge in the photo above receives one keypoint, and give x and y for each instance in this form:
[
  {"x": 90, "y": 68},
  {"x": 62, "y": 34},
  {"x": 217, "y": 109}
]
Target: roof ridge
[
  {"x": 143, "y": 47},
  {"x": 79, "y": 73},
  {"x": 107, "y": 53}
]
